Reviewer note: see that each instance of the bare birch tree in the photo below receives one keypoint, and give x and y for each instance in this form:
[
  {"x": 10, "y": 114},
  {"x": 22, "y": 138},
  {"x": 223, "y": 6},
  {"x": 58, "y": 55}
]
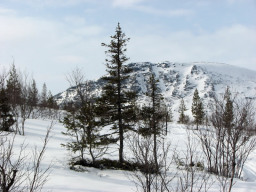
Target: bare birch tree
[{"x": 16, "y": 173}]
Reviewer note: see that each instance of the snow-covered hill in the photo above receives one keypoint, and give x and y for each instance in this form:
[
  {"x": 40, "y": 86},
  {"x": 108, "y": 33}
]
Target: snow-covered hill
[{"x": 179, "y": 80}]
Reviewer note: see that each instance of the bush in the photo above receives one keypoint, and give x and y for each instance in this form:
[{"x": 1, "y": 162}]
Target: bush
[{"x": 105, "y": 164}]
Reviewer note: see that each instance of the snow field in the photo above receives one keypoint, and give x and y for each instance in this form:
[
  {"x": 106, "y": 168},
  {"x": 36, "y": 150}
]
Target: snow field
[{"x": 62, "y": 179}]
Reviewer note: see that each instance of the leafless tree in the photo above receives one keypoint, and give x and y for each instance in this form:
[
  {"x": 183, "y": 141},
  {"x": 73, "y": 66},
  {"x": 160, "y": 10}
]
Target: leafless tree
[
  {"x": 37, "y": 176},
  {"x": 150, "y": 177},
  {"x": 192, "y": 174},
  {"x": 16, "y": 173},
  {"x": 25, "y": 106},
  {"x": 12, "y": 176},
  {"x": 227, "y": 142},
  {"x": 77, "y": 80}
]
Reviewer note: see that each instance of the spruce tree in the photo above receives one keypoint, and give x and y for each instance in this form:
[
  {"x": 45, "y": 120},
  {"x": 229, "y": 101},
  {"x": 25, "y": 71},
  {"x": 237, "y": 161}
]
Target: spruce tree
[
  {"x": 13, "y": 87},
  {"x": 153, "y": 111},
  {"x": 168, "y": 117},
  {"x": 197, "y": 109},
  {"x": 116, "y": 101},
  {"x": 153, "y": 114},
  {"x": 43, "y": 98},
  {"x": 13, "y": 92},
  {"x": 182, "y": 108},
  {"x": 6, "y": 117},
  {"x": 51, "y": 103},
  {"x": 228, "y": 115},
  {"x": 33, "y": 94}
]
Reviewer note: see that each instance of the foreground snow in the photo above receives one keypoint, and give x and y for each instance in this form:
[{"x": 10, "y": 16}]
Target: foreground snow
[{"x": 62, "y": 179}]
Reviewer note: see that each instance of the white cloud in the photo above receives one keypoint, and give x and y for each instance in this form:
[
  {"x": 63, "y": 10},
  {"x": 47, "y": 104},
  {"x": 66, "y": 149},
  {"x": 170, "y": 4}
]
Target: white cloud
[
  {"x": 75, "y": 20},
  {"x": 125, "y": 3},
  {"x": 67, "y": 59},
  {"x": 88, "y": 31},
  {"x": 48, "y": 48},
  {"x": 13, "y": 29},
  {"x": 4, "y": 11},
  {"x": 46, "y": 3},
  {"x": 162, "y": 12},
  {"x": 139, "y": 6},
  {"x": 239, "y": 1},
  {"x": 78, "y": 26},
  {"x": 234, "y": 45}
]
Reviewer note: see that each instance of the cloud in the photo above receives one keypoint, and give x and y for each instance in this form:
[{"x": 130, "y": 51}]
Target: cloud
[
  {"x": 4, "y": 11},
  {"x": 14, "y": 29},
  {"x": 161, "y": 12},
  {"x": 125, "y": 3},
  {"x": 47, "y": 3},
  {"x": 234, "y": 44},
  {"x": 50, "y": 48},
  {"x": 139, "y": 6},
  {"x": 239, "y": 1},
  {"x": 67, "y": 59},
  {"x": 78, "y": 26}
]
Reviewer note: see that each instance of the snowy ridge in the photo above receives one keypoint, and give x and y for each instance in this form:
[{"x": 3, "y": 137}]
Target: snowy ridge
[{"x": 179, "y": 80}]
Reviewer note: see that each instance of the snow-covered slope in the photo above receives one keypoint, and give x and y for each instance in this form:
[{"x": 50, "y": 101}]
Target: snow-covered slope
[
  {"x": 62, "y": 179},
  {"x": 179, "y": 80}
]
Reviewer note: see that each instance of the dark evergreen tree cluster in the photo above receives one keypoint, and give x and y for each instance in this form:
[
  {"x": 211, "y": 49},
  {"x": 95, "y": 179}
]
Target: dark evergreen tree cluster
[{"x": 197, "y": 110}]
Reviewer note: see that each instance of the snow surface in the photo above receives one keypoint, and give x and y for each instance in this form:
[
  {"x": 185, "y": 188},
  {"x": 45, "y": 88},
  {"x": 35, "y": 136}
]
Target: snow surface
[{"x": 62, "y": 179}]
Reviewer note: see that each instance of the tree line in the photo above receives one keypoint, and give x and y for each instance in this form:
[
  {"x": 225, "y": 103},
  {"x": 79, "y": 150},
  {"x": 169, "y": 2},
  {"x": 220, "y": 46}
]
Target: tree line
[{"x": 21, "y": 100}]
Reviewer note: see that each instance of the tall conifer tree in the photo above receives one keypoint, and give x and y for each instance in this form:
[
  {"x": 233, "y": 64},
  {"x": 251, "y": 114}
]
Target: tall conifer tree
[
  {"x": 13, "y": 87},
  {"x": 13, "y": 92},
  {"x": 116, "y": 100}
]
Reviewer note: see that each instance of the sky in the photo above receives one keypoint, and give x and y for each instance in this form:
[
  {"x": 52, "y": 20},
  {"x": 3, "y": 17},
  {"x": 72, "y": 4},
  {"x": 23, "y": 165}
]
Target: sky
[{"x": 49, "y": 38}]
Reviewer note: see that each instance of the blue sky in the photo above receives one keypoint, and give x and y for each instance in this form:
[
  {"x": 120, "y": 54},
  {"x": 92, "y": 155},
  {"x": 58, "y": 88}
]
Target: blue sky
[{"x": 49, "y": 38}]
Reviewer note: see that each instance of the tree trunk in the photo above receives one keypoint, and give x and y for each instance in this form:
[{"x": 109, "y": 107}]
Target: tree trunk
[
  {"x": 233, "y": 170},
  {"x": 121, "y": 129}
]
